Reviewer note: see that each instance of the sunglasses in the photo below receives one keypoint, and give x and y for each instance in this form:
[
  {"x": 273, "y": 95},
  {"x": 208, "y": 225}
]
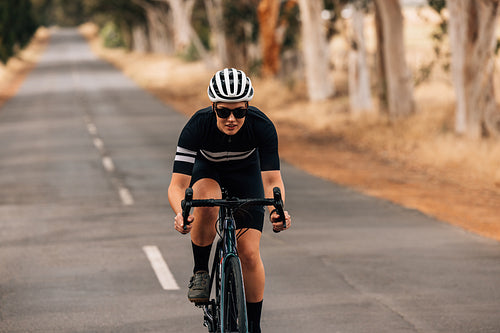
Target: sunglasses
[{"x": 224, "y": 113}]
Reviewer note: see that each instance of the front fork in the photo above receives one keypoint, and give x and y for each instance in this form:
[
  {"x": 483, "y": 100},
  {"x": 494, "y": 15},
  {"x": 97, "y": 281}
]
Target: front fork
[{"x": 226, "y": 247}]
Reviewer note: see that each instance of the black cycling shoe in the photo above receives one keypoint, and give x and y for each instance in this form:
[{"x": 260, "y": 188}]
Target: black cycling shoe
[{"x": 199, "y": 287}]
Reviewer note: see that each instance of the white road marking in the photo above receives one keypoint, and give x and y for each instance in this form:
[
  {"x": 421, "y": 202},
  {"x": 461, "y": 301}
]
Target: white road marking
[
  {"x": 160, "y": 267},
  {"x": 99, "y": 144},
  {"x": 92, "y": 129},
  {"x": 126, "y": 196},
  {"x": 108, "y": 164}
]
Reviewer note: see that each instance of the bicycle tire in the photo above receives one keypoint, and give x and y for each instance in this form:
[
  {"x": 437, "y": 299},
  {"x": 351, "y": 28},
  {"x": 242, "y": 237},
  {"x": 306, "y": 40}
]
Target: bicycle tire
[{"x": 233, "y": 310}]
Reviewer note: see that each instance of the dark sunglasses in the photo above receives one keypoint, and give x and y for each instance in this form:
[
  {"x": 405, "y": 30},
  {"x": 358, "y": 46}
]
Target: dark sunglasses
[{"x": 224, "y": 113}]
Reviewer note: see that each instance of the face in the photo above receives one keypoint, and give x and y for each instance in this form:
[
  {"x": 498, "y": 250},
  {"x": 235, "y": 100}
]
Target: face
[{"x": 230, "y": 125}]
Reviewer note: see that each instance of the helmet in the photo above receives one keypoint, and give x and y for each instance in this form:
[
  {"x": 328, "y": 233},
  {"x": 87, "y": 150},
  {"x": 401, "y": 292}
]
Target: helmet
[{"x": 230, "y": 85}]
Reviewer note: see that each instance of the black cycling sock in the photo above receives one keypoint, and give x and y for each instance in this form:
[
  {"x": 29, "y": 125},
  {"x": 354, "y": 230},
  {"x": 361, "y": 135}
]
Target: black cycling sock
[
  {"x": 201, "y": 256},
  {"x": 254, "y": 310}
]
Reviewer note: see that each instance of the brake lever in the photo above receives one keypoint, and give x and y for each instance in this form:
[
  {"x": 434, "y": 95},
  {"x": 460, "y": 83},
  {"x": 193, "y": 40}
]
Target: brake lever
[
  {"x": 186, "y": 205},
  {"x": 278, "y": 204}
]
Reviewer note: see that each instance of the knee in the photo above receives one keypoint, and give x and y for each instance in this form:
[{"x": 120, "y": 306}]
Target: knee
[{"x": 250, "y": 258}]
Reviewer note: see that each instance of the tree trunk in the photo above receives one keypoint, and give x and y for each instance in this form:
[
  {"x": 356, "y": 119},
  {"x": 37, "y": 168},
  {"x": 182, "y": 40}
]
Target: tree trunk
[
  {"x": 399, "y": 81},
  {"x": 181, "y": 22},
  {"x": 215, "y": 14},
  {"x": 158, "y": 30},
  {"x": 315, "y": 50},
  {"x": 473, "y": 41},
  {"x": 380, "y": 63},
  {"x": 359, "y": 75},
  {"x": 268, "y": 12},
  {"x": 140, "y": 38}
]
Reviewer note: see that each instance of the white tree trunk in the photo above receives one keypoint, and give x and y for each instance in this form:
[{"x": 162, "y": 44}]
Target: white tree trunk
[
  {"x": 399, "y": 82},
  {"x": 315, "y": 50},
  {"x": 181, "y": 17},
  {"x": 215, "y": 15},
  {"x": 359, "y": 74},
  {"x": 472, "y": 37},
  {"x": 158, "y": 30}
]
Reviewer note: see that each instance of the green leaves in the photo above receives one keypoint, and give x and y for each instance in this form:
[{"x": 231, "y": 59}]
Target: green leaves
[{"x": 17, "y": 26}]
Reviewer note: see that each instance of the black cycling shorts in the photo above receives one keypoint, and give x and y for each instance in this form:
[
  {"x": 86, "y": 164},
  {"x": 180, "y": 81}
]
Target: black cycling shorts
[{"x": 240, "y": 183}]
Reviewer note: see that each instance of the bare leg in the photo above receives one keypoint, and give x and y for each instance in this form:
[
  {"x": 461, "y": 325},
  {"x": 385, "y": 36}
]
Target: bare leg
[
  {"x": 251, "y": 263},
  {"x": 203, "y": 232}
]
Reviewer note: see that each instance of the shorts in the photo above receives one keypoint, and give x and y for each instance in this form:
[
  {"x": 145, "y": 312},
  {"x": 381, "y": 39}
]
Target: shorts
[{"x": 242, "y": 183}]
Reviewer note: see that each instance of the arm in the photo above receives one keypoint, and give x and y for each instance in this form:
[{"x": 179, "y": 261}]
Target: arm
[
  {"x": 176, "y": 190},
  {"x": 271, "y": 179}
]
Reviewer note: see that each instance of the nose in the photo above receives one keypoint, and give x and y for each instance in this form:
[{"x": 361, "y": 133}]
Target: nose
[{"x": 231, "y": 117}]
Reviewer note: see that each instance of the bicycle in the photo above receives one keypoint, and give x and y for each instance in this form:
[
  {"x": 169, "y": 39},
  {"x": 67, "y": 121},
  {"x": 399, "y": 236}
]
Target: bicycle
[{"x": 226, "y": 312}]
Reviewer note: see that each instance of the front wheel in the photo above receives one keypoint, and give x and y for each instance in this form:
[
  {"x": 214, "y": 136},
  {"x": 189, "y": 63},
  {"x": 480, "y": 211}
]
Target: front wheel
[{"x": 233, "y": 309}]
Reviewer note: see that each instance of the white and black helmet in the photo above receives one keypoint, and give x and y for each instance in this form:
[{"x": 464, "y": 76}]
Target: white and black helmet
[{"x": 230, "y": 85}]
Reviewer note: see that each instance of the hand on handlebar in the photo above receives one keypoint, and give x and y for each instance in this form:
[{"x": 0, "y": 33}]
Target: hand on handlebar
[
  {"x": 179, "y": 223},
  {"x": 278, "y": 223}
]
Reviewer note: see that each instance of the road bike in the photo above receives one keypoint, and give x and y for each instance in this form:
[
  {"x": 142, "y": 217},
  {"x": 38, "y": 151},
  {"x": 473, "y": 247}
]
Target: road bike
[{"x": 226, "y": 312}]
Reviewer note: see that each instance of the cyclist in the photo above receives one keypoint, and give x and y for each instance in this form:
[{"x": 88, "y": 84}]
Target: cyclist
[{"x": 234, "y": 146}]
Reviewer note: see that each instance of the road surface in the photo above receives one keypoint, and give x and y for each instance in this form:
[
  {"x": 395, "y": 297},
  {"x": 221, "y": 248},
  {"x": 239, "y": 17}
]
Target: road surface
[{"x": 87, "y": 241}]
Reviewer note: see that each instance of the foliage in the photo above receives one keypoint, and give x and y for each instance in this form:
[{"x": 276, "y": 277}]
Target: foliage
[
  {"x": 59, "y": 12},
  {"x": 111, "y": 36},
  {"x": 289, "y": 16},
  {"x": 17, "y": 26},
  {"x": 241, "y": 21}
]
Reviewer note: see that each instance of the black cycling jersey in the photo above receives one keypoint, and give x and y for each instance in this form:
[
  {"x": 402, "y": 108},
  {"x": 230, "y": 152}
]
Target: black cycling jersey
[
  {"x": 234, "y": 161},
  {"x": 256, "y": 143}
]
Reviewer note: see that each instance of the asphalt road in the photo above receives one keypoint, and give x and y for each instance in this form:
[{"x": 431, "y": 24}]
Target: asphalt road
[{"x": 85, "y": 162}]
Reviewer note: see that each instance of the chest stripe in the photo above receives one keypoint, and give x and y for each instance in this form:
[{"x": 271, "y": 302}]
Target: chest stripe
[{"x": 226, "y": 155}]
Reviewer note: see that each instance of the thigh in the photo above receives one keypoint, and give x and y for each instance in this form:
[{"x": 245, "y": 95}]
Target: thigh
[{"x": 246, "y": 183}]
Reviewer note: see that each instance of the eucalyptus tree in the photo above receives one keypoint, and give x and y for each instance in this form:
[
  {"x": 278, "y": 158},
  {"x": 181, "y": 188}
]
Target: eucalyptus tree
[{"x": 472, "y": 27}]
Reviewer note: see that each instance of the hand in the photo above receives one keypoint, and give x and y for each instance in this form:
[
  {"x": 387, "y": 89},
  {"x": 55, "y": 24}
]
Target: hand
[
  {"x": 277, "y": 224},
  {"x": 179, "y": 223}
]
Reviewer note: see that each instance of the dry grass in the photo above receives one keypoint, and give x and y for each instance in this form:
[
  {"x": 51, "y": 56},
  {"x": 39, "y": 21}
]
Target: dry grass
[
  {"x": 417, "y": 162},
  {"x": 16, "y": 69},
  {"x": 425, "y": 140}
]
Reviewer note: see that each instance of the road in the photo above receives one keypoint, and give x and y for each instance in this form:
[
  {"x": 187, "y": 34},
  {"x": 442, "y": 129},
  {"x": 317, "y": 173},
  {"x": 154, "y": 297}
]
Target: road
[{"x": 85, "y": 162}]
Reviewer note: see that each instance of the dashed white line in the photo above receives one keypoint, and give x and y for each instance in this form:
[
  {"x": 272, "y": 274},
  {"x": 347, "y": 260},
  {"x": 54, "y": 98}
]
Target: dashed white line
[
  {"x": 92, "y": 129},
  {"x": 108, "y": 164},
  {"x": 99, "y": 144},
  {"x": 126, "y": 196},
  {"x": 160, "y": 267}
]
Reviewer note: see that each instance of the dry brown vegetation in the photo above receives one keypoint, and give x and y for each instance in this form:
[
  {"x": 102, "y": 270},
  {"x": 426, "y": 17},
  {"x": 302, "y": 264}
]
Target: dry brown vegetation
[
  {"x": 16, "y": 69},
  {"x": 417, "y": 162}
]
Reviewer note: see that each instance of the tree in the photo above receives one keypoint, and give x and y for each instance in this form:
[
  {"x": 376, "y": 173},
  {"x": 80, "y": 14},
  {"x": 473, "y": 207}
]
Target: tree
[
  {"x": 181, "y": 19},
  {"x": 268, "y": 12},
  {"x": 315, "y": 50},
  {"x": 241, "y": 27},
  {"x": 215, "y": 14},
  {"x": 473, "y": 42},
  {"x": 359, "y": 73},
  {"x": 17, "y": 26},
  {"x": 397, "y": 79}
]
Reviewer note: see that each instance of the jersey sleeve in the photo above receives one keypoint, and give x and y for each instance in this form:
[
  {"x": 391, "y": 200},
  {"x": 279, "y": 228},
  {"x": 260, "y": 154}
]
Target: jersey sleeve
[
  {"x": 268, "y": 147},
  {"x": 187, "y": 149}
]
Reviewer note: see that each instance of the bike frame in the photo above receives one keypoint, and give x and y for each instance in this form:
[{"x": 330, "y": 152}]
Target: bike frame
[{"x": 226, "y": 246}]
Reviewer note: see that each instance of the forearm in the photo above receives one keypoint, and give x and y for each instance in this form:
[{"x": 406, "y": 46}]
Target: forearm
[
  {"x": 176, "y": 191},
  {"x": 270, "y": 180}
]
